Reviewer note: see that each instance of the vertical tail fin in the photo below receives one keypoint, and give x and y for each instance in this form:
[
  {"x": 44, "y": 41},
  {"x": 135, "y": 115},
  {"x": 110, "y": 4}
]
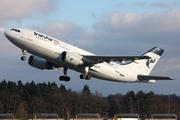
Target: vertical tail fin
[{"x": 145, "y": 66}]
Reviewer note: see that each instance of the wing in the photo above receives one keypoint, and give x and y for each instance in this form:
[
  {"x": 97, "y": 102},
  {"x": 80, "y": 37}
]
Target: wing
[
  {"x": 147, "y": 77},
  {"x": 100, "y": 59}
]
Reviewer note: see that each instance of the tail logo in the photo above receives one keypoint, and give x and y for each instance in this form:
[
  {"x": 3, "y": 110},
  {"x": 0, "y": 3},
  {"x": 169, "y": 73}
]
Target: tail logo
[{"x": 150, "y": 61}]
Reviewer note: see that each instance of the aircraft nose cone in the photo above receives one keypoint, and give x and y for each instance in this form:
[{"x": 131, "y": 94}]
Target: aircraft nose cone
[{"x": 6, "y": 33}]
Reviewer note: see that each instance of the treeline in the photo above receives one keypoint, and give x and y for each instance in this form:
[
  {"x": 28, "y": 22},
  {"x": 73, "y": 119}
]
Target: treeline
[{"x": 25, "y": 100}]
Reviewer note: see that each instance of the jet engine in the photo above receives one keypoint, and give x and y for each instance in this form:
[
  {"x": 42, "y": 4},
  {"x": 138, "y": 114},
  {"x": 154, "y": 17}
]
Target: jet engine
[
  {"x": 71, "y": 59},
  {"x": 39, "y": 63}
]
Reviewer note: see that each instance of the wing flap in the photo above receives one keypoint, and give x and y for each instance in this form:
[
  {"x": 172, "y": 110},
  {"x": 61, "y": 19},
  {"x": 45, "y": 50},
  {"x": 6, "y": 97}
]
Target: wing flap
[{"x": 147, "y": 77}]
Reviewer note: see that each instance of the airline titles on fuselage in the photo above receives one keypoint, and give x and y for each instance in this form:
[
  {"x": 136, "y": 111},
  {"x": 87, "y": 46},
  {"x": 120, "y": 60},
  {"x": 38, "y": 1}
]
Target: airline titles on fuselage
[
  {"x": 43, "y": 36},
  {"x": 47, "y": 38}
]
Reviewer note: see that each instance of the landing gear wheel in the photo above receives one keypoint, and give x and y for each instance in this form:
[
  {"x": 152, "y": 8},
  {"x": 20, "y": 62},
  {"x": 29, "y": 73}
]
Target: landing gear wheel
[
  {"x": 88, "y": 77},
  {"x": 61, "y": 78},
  {"x": 23, "y": 58},
  {"x": 64, "y": 78},
  {"x": 67, "y": 79},
  {"x": 83, "y": 76}
]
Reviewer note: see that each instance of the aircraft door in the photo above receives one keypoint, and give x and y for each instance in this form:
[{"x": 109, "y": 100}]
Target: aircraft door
[
  {"x": 30, "y": 35},
  {"x": 122, "y": 71},
  {"x": 31, "y": 38}
]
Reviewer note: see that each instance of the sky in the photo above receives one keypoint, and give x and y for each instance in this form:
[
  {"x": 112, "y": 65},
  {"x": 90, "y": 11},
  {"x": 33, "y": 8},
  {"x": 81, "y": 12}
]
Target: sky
[{"x": 103, "y": 27}]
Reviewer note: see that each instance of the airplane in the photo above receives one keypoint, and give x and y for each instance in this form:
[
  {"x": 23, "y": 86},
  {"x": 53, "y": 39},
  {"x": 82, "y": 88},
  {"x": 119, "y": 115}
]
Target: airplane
[{"x": 50, "y": 53}]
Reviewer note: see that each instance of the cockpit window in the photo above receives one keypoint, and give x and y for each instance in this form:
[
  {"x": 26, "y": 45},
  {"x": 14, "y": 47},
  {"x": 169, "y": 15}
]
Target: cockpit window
[{"x": 16, "y": 30}]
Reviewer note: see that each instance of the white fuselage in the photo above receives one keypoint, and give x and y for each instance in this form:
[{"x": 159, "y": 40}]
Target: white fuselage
[{"x": 50, "y": 49}]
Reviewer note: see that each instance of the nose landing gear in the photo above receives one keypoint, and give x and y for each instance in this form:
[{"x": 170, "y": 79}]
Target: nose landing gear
[{"x": 23, "y": 58}]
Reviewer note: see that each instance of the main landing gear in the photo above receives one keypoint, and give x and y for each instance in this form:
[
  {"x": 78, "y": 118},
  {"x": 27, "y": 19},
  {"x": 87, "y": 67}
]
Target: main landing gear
[
  {"x": 23, "y": 58},
  {"x": 85, "y": 75},
  {"x": 64, "y": 77}
]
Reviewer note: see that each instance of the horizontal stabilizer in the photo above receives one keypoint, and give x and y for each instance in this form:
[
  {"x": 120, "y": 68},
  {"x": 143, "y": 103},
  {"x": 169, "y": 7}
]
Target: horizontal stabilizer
[{"x": 147, "y": 77}]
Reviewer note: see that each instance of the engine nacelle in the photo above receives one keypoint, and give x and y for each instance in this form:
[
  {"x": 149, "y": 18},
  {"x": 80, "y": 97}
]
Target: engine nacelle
[
  {"x": 39, "y": 63},
  {"x": 71, "y": 59}
]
